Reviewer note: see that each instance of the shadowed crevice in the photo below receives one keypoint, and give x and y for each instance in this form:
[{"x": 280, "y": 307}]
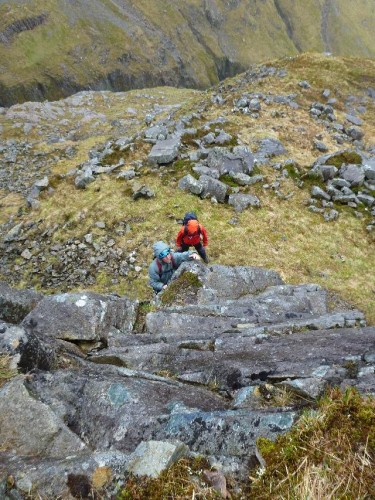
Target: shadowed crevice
[
  {"x": 324, "y": 26},
  {"x": 26, "y": 24},
  {"x": 289, "y": 28}
]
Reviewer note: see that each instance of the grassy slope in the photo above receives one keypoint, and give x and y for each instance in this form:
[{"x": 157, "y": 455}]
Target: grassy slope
[
  {"x": 79, "y": 47},
  {"x": 330, "y": 453},
  {"x": 282, "y": 235},
  {"x": 346, "y": 19},
  {"x": 261, "y": 34},
  {"x": 305, "y": 20}
]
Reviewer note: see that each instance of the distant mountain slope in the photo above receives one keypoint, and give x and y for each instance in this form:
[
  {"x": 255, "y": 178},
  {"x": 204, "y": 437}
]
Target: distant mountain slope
[{"x": 53, "y": 48}]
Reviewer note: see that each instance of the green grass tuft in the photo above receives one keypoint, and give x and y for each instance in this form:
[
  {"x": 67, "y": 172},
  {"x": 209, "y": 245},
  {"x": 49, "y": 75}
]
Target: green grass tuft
[{"x": 330, "y": 453}]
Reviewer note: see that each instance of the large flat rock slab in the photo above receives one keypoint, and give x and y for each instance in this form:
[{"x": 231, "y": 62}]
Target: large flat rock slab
[
  {"x": 232, "y": 360},
  {"x": 82, "y": 316},
  {"x": 276, "y": 304},
  {"x": 30, "y": 427},
  {"x": 228, "y": 438},
  {"x": 230, "y": 283},
  {"x": 117, "y": 409},
  {"x": 220, "y": 283}
]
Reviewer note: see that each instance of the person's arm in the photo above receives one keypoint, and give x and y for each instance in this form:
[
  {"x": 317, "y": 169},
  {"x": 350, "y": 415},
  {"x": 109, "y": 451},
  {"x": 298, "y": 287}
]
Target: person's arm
[
  {"x": 184, "y": 256},
  {"x": 194, "y": 256},
  {"x": 179, "y": 238},
  {"x": 154, "y": 275},
  {"x": 205, "y": 236}
]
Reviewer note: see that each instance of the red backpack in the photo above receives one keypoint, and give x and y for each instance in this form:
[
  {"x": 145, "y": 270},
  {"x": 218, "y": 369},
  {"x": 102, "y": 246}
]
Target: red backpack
[{"x": 193, "y": 223}]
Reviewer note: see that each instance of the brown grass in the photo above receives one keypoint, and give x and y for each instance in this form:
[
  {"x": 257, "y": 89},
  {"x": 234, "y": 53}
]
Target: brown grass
[
  {"x": 9, "y": 205},
  {"x": 5, "y": 372},
  {"x": 330, "y": 454},
  {"x": 184, "y": 480}
]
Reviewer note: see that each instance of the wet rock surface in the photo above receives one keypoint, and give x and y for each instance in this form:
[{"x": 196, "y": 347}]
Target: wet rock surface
[{"x": 200, "y": 378}]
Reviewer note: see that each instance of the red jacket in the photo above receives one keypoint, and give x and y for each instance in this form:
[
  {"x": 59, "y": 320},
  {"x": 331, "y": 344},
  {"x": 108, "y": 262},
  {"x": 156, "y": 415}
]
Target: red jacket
[{"x": 183, "y": 236}]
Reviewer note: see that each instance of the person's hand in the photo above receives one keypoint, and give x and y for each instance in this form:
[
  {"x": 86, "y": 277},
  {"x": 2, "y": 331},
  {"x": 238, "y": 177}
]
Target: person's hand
[
  {"x": 194, "y": 256},
  {"x": 164, "y": 287}
]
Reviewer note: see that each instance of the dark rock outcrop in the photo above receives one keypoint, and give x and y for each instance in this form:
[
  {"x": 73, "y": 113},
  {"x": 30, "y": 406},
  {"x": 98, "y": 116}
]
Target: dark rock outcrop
[
  {"x": 204, "y": 372},
  {"x": 16, "y": 304},
  {"x": 25, "y": 24}
]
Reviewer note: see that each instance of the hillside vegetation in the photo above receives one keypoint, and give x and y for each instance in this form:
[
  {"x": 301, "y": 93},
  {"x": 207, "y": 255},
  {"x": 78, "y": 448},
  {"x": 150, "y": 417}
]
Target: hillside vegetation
[
  {"x": 50, "y": 49},
  {"x": 282, "y": 235}
]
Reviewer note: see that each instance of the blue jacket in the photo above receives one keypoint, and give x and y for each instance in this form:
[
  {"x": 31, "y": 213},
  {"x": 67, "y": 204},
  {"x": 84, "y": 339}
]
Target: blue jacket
[{"x": 157, "y": 281}]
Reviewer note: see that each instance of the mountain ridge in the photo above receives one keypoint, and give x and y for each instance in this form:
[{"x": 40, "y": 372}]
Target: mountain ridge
[{"x": 50, "y": 49}]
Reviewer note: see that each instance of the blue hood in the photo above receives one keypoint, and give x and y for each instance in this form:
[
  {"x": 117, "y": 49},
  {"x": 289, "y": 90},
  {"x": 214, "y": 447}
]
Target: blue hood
[{"x": 158, "y": 247}]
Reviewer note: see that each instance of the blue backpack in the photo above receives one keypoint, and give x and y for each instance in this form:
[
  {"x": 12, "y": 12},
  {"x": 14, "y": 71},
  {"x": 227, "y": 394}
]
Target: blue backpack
[{"x": 189, "y": 216}]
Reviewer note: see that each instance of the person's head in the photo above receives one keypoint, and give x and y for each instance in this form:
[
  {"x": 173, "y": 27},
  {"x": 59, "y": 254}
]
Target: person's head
[{"x": 162, "y": 251}]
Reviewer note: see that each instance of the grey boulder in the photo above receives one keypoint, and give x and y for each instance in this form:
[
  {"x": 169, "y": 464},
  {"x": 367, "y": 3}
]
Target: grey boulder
[
  {"x": 269, "y": 148},
  {"x": 36, "y": 430},
  {"x": 151, "y": 458},
  {"x": 240, "y": 160},
  {"x": 213, "y": 188},
  {"x": 242, "y": 201},
  {"x": 164, "y": 152},
  {"x": 82, "y": 316},
  {"x": 189, "y": 183},
  {"x": 354, "y": 174},
  {"x": 16, "y": 304},
  {"x": 369, "y": 167}
]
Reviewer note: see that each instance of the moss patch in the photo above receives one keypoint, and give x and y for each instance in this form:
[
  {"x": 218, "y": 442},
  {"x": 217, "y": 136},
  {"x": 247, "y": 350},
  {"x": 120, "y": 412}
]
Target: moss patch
[
  {"x": 183, "y": 480},
  {"x": 178, "y": 290},
  {"x": 143, "y": 309},
  {"x": 228, "y": 180},
  {"x": 345, "y": 157}
]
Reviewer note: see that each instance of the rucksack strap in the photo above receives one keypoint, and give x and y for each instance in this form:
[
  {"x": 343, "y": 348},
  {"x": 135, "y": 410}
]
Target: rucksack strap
[
  {"x": 173, "y": 262},
  {"x": 160, "y": 267},
  {"x": 158, "y": 263}
]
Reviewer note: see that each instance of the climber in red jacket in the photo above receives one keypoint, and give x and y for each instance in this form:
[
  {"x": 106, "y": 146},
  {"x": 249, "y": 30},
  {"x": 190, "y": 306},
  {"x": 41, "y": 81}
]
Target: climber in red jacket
[{"x": 193, "y": 234}]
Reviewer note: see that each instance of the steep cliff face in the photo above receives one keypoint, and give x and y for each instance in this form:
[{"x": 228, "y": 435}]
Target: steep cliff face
[{"x": 50, "y": 49}]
